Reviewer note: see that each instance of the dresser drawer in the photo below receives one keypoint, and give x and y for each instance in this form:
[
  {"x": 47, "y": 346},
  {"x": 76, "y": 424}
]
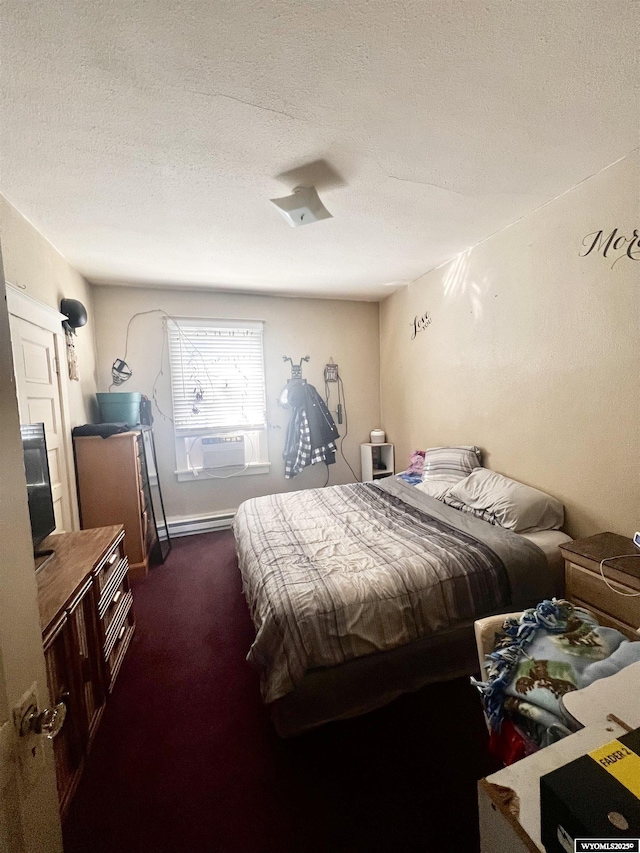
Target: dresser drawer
[
  {"x": 117, "y": 576},
  {"x": 590, "y": 588},
  {"x": 111, "y": 610},
  {"x": 120, "y": 635},
  {"x": 110, "y": 564},
  {"x": 608, "y": 621},
  {"x": 115, "y": 632}
]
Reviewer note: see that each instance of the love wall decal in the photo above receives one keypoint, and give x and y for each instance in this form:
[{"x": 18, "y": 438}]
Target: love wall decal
[
  {"x": 613, "y": 243},
  {"x": 419, "y": 324}
]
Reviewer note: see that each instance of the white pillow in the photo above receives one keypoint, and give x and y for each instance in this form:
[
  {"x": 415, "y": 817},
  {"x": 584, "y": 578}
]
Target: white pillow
[
  {"x": 514, "y": 505},
  {"x": 437, "y": 487}
]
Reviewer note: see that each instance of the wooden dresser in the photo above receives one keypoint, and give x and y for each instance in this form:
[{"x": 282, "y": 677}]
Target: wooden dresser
[
  {"x": 586, "y": 587},
  {"x": 113, "y": 488},
  {"x": 86, "y": 616}
]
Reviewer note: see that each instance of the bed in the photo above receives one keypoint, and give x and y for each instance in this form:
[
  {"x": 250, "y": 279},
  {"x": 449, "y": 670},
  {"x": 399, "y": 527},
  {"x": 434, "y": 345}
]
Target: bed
[{"x": 365, "y": 591}]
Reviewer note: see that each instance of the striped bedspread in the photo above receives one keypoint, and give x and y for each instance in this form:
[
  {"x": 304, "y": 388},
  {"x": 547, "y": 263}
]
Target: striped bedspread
[{"x": 337, "y": 573}]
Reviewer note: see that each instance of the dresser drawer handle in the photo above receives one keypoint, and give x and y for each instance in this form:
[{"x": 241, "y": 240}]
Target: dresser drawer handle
[
  {"x": 117, "y": 596},
  {"x": 121, "y": 634},
  {"x": 112, "y": 559}
]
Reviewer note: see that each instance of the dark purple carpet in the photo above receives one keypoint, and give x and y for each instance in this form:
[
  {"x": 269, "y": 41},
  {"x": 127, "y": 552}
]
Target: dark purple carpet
[{"x": 186, "y": 758}]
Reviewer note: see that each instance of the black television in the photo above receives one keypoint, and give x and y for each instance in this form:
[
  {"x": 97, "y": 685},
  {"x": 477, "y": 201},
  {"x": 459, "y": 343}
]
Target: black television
[{"x": 36, "y": 466}]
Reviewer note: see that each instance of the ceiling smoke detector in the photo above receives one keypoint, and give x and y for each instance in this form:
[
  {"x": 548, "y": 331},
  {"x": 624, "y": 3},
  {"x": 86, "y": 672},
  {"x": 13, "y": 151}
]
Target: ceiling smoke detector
[{"x": 302, "y": 207}]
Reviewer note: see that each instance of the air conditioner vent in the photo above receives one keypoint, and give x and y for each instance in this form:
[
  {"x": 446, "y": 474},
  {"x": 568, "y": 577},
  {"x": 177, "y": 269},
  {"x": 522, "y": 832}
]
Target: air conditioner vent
[{"x": 222, "y": 451}]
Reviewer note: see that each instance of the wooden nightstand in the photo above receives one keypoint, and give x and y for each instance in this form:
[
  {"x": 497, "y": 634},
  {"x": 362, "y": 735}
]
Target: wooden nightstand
[{"x": 585, "y": 586}]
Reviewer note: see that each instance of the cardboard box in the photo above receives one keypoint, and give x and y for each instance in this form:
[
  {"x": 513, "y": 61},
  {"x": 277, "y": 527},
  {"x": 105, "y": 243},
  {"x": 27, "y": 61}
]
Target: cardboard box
[{"x": 597, "y": 796}]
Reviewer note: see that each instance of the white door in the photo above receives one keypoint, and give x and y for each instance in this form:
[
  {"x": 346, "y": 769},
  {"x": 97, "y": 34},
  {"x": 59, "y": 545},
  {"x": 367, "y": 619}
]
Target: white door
[
  {"x": 29, "y": 819},
  {"x": 36, "y": 364}
]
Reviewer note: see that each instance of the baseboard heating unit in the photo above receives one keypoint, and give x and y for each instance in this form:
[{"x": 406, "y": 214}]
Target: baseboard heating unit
[{"x": 200, "y": 524}]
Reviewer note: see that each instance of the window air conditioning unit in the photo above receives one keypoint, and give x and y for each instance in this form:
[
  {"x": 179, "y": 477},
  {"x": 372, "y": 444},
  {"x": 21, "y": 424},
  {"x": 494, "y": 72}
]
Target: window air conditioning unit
[{"x": 223, "y": 451}]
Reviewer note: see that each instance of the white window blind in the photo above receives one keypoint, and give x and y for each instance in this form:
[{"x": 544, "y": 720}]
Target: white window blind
[{"x": 217, "y": 375}]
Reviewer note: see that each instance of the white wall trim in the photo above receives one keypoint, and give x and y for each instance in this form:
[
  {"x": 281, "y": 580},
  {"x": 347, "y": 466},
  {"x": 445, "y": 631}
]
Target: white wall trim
[
  {"x": 201, "y": 523},
  {"x": 21, "y": 305}
]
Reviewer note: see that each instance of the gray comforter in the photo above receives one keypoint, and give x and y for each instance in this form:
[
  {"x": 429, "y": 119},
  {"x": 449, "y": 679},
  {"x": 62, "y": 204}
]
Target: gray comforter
[{"x": 338, "y": 573}]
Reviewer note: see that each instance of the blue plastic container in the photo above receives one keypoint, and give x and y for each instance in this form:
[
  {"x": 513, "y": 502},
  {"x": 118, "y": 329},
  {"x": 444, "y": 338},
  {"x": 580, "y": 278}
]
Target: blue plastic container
[{"x": 120, "y": 408}]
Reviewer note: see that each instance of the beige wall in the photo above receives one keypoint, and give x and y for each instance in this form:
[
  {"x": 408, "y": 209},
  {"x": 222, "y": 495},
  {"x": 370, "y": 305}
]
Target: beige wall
[
  {"x": 533, "y": 354},
  {"x": 346, "y": 331},
  {"x": 32, "y": 263}
]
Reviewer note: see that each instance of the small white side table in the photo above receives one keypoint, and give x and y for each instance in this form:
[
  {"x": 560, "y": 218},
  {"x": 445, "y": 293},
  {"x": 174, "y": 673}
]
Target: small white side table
[{"x": 376, "y": 461}]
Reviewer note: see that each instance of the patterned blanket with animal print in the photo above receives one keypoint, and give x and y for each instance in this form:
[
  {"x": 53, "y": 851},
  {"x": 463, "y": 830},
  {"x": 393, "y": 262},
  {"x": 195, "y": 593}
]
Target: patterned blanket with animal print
[{"x": 549, "y": 651}]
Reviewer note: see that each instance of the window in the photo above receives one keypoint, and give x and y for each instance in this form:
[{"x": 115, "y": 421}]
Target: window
[{"x": 219, "y": 404}]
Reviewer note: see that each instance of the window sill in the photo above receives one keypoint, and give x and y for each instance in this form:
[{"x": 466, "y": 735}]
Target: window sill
[{"x": 223, "y": 473}]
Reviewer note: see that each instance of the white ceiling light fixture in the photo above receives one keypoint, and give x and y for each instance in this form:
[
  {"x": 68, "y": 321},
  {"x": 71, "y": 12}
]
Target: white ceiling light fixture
[{"x": 302, "y": 207}]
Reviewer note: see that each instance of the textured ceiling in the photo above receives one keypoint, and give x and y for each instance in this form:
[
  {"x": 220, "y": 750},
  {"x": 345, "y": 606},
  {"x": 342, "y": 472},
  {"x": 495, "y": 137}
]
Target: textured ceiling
[{"x": 144, "y": 139}]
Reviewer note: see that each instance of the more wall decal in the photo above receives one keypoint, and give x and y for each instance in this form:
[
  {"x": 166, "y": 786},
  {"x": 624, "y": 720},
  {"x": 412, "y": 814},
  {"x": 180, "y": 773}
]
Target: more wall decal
[
  {"x": 419, "y": 324},
  {"x": 613, "y": 244}
]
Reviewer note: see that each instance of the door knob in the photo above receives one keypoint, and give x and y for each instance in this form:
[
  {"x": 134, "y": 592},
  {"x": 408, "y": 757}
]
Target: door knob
[{"x": 47, "y": 722}]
